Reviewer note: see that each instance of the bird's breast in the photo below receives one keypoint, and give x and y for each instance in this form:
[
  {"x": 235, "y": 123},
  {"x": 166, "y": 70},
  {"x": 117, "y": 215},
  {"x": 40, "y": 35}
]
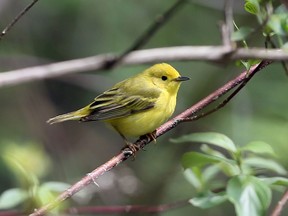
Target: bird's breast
[{"x": 147, "y": 121}]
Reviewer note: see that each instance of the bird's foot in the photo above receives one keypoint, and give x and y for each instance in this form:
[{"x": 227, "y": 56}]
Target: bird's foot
[
  {"x": 130, "y": 149},
  {"x": 150, "y": 136}
]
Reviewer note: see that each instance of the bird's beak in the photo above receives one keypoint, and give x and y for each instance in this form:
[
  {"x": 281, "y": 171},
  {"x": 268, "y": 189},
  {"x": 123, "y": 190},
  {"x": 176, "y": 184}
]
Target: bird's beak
[{"x": 181, "y": 78}]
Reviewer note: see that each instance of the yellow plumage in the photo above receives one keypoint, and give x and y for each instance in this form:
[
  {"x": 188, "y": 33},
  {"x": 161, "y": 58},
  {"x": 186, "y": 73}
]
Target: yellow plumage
[{"x": 135, "y": 106}]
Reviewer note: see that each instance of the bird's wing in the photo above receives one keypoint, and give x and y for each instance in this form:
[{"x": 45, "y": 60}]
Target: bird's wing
[{"x": 116, "y": 103}]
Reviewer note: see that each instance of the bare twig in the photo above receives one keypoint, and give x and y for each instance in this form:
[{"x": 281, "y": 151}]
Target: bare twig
[
  {"x": 224, "y": 102},
  {"x": 89, "y": 178},
  {"x": 127, "y": 208},
  {"x": 118, "y": 209},
  {"x": 146, "y": 36},
  {"x": 183, "y": 53},
  {"x": 279, "y": 207},
  {"x": 12, "y": 213},
  {"x": 273, "y": 45},
  {"x": 227, "y": 26},
  {"x": 126, "y": 153},
  {"x": 16, "y": 19}
]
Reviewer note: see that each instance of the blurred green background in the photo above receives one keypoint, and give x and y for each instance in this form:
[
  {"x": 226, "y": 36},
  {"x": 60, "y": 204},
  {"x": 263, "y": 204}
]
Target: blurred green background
[{"x": 62, "y": 30}]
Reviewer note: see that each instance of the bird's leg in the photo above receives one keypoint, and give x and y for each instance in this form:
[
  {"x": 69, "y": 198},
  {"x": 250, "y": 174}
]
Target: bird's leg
[
  {"x": 151, "y": 136},
  {"x": 133, "y": 147}
]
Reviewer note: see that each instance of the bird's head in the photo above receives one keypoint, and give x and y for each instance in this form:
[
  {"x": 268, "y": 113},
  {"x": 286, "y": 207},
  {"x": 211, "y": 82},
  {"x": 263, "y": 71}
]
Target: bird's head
[{"x": 165, "y": 77}]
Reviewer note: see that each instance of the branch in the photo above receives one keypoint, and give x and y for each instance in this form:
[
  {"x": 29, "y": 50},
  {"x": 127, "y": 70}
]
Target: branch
[
  {"x": 224, "y": 102},
  {"x": 279, "y": 207},
  {"x": 118, "y": 209},
  {"x": 16, "y": 19},
  {"x": 227, "y": 26},
  {"x": 150, "y": 31},
  {"x": 95, "y": 63},
  {"x": 142, "y": 142},
  {"x": 127, "y": 208}
]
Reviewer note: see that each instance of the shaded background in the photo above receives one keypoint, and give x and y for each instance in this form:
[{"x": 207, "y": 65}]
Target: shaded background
[{"x": 62, "y": 30}]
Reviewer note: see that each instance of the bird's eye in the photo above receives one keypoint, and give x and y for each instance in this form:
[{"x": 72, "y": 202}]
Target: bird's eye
[{"x": 164, "y": 78}]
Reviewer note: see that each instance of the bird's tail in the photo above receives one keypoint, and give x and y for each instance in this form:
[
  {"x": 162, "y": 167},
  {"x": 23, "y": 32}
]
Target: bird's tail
[{"x": 76, "y": 115}]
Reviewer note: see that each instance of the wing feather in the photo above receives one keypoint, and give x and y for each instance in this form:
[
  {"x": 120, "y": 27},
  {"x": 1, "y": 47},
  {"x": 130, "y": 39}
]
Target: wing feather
[{"x": 116, "y": 103}]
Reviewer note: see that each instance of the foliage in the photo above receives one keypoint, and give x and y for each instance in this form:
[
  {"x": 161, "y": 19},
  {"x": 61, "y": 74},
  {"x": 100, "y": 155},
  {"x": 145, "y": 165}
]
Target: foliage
[
  {"x": 29, "y": 171},
  {"x": 273, "y": 21},
  {"x": 246, "y": 182},
  {"x": 273, "y": 24}
]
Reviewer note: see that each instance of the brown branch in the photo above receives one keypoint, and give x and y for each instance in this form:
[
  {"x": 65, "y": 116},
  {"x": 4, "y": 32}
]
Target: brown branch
[
  {"x": 88, "y": 179},
  {"x": 113, "y": 209},
  {"x": 227, "y": 26},
  {"x": 234, "y": 93},
  {"x": 280, "y": 205},
  {"x": 146, "y": 36},
  {"x": 182, "y": 53},
  {"x": 12, "y": 213},
  {"x": 17, "y": 18},
  {"x": 142, "y": 142},
  {"x": 127, "y": 208}
]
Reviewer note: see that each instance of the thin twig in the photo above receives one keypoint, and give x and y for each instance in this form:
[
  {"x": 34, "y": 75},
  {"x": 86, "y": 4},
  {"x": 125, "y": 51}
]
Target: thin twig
[
  {"x": 227, "y": 26},
  {"x": 273, "y": 45},
  {"x": 12, "y": 213},
  {"x": 88, "y": 179},
  {"x": 95, "y": 63},
  {"x": 118, "y": 209},
  {"x": 126, "y": 153},
  {"x": 224, "y": 102},
  {"x": 127, "y": 208},
  {"x": 15, "y": 20},
  {"x": 279, "y": 207},
  {"x": 147, "y": 35}
]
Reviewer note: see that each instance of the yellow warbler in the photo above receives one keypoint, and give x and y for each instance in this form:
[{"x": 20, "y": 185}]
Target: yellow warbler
[{"x": 135, "y": 106}]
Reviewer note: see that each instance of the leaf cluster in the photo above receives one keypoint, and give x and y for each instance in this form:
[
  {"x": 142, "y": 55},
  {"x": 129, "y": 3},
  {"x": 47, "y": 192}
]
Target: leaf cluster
[
  {"x": 273, "y": 25},
  {"x": 226, "y": 172}
]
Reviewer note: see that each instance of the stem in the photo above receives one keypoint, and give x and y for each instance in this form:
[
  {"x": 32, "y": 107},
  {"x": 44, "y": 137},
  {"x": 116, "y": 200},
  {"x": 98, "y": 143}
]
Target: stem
[
  {"x": 127, "y": 208},
  {"x": 279, "y": 207},
  {"x": 95, "y": 63},
  {"x": 16, "y": 19},
  {"x": 147, "y": 35}
]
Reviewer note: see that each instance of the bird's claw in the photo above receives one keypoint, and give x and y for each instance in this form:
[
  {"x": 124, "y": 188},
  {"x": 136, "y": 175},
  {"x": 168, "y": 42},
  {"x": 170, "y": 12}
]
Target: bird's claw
[
  {"x": 130, "y": 149},
  {"x": 150, "y": 136}
]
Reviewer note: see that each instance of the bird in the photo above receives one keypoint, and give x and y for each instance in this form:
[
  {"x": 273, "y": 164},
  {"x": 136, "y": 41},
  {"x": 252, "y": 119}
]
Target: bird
[{"x": 135, "y": 106}]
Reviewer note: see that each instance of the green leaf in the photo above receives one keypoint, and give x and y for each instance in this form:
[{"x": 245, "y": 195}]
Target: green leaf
[
  {"x": 277, "y": 23},
  {"x": 249, "y": 195},
  {"x": 12, "y": 197},
  {"x": 229, "y": 167},
  {"x": 210, "y": 151},
  {"x": 259, "y": 147},
  {"x": 192, "y": 159},
  {"x": 252, "y": 6},
  {"x": 249, "y": 63},
  {"x": 246, "y": 64},
  {"x": 279, "y": 181},
  {"x": 241, "y": 34},
  {"x": 196, "y": 159},
  {"x": 212, "y": 138},
  {"x": 208, "y": 200},
  {"x": 56, "y": 186},
  {"x": 285, "y": 46},
  {"x": 265, "y": 164},
  {"x": 210, "y": 172},
  {"x": 194, "y": 177},
  {"x": 48, "y": 192}
]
